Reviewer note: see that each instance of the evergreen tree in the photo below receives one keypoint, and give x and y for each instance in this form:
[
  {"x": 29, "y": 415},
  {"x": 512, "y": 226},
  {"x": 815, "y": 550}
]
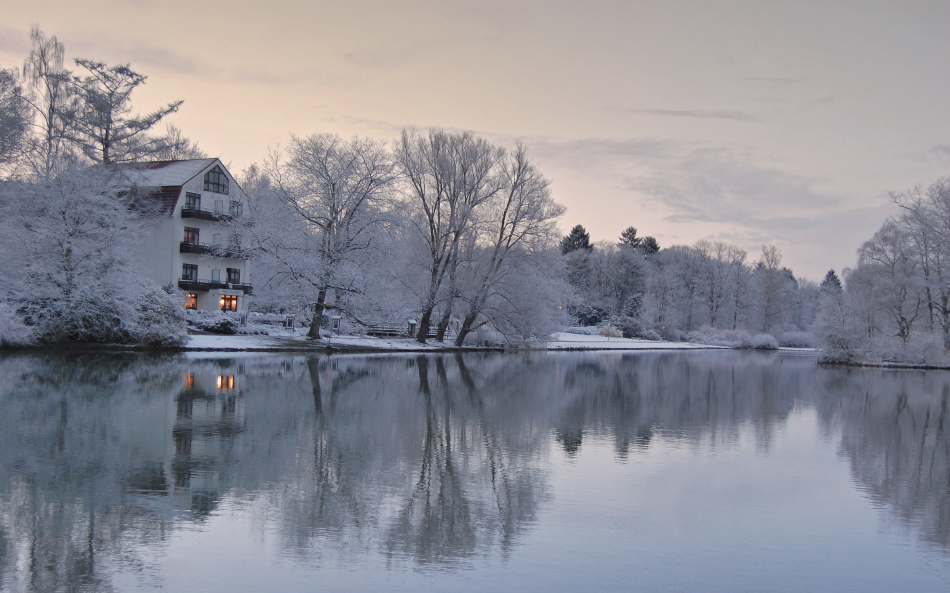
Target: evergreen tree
[
  {"x": 578, "y": 238},
  {"x": 831, "y": 283},
  {"x": 629, "y": 238},
  {"x": 649, "y": 246}
]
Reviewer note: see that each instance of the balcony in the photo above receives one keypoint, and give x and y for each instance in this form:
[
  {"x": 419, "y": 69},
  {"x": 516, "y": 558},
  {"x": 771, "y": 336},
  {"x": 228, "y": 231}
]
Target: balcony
[
  {"x": 206, "y": 285},
  {"x": 205, "y": 248},
  {"x": 216, "y": 215}
]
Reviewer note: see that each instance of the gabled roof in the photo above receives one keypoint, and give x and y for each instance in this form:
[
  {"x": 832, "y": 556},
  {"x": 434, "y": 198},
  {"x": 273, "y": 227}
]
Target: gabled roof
[{"x": 166, "y": 173}]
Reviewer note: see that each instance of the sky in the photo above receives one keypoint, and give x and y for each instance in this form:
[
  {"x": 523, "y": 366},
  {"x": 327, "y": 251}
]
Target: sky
[{"x": 753, "y": 122}]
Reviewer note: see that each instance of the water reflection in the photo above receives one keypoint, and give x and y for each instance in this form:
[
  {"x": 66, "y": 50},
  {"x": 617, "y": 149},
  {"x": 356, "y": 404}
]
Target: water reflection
[
  {"x": 426, "y": 459},
  {"x": 894, "y": 433}
]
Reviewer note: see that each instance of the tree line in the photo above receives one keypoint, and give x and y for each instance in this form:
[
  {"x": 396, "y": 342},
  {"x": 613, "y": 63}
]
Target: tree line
[{"x": 894, "y": 305}]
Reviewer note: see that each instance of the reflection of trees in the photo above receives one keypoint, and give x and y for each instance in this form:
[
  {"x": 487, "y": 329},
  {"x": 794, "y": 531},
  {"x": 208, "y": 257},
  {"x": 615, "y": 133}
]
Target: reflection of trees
[
  {"x": 894, "y": 429},
  {"x": 426, "y": 458},
  {"x": 85, "y": 452}
]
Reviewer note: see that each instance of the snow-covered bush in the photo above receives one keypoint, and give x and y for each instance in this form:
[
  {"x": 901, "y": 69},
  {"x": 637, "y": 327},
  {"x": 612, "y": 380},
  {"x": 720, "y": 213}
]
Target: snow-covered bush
[
  {"x": 762, "y": 342},
  {"x": 796, "y": 340},
  {"x": 592, "y": 330},
  {"x": 161, "y": 319},
  {"x": 610, "y": 331},
  {"x": 485, "y": 336},
  {"x": 213, "y": 322},
  {"x": 587, "y": 315},
  {"x": 254, "y": 329},
  {"x": 650, "y": 334},
  {"x": 733, "y": 339},
  {"x": 12, "y": 330}
]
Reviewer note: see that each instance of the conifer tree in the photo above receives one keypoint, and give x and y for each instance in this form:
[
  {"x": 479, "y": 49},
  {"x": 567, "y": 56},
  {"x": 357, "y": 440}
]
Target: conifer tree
[{"x": 578, "y": 238}]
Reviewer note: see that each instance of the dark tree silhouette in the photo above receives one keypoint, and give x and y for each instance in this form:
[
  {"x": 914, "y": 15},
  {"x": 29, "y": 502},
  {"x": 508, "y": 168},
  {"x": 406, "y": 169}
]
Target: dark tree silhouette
[{"x": 578, "y": 238}]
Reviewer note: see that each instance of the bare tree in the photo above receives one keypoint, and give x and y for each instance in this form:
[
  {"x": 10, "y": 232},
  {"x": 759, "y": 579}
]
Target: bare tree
[
  {"x": 714, "y": 268},
  {"x": 519, "y": 218},
  {"x": 449, "y": 176},
  {"x": 106, "y": 132},
  {"x": 337, "y": 192},
  {"x": 768, "y": 271},
  {"x": 888, "y": 258},
  {"x": 53, "y": 102},
  {"x": 14, "y": 117}
]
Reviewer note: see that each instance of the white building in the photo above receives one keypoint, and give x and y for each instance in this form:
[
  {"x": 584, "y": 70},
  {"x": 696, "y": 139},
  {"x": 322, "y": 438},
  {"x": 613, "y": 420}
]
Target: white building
[{"x": 190, "y": 247}]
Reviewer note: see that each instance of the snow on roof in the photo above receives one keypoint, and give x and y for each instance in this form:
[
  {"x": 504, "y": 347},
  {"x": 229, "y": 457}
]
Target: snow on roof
[{"x": 166, "y": 173}]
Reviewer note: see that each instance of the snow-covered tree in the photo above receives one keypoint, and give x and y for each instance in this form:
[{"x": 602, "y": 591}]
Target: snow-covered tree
[
  {"x": 54, "y": 105},
  {"x": 329, "y": 206},
  {"x": 66, "y": 268},
  {"x": 105, "y": 129},
  {"x": 518, "y": 221},
  {"x": 14, "y": 117},
  {"x": 448, "y": 177}
]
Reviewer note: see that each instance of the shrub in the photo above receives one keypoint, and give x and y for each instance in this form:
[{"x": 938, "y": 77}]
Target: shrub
[
  {"x": 610, "y": 331},
  {"x": 214, "y": 322},
  {"x": 13, "y": 332},
  {"x": 796, "y": 340},
  {"x": 161, "y": 319},
  {"x": 588, "y": 315}
]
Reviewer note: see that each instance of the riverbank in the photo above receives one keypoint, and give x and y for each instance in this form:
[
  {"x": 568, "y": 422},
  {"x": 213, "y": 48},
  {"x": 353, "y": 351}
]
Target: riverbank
[{"x": 299, "y": 342}]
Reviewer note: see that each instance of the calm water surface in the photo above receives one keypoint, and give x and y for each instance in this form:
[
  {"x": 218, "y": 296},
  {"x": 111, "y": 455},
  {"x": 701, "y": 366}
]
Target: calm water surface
[{"x": 696, "y": 471}]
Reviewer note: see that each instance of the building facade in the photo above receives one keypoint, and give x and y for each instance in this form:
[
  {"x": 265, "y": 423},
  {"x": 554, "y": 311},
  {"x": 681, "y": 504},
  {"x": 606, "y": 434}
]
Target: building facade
[{"x": 191, "y": 205}]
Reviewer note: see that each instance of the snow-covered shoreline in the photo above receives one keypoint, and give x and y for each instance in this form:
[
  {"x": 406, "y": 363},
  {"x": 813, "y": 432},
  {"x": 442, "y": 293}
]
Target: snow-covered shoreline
[{"x": 299, "y": 342}]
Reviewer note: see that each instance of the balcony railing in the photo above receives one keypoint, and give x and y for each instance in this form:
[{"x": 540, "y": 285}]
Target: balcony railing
[
  {"x": 205, "y": 285},
  {"x": 204, "y": 248},
  {"x": 204, "y": 214}
]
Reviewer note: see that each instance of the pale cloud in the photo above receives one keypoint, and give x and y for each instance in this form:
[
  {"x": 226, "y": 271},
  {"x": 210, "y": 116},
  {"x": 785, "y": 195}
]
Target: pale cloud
[{"x": 733, "y": 114}]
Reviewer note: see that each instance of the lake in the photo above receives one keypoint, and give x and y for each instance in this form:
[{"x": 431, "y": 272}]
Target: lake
[{"x": 651, "y": 471}]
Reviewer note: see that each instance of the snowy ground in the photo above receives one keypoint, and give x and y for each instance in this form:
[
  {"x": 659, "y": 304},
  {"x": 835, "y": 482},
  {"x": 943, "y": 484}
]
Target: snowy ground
[{"x": 298, "y": 341}]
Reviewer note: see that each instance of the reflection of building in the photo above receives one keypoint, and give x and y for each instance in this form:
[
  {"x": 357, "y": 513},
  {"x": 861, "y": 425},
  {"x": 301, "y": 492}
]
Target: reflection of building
[
  {"x": 190, "y": 246},
  {"x": 209, "y": 412}
]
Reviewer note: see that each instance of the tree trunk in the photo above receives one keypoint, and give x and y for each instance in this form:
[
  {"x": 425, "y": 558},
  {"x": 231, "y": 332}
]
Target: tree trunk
[
  {"x": 314, "y": 332},
  {"x": 424, "y": 321},
  {"x": 444, "y": 322},
  {"x": 466, "y": 328}
]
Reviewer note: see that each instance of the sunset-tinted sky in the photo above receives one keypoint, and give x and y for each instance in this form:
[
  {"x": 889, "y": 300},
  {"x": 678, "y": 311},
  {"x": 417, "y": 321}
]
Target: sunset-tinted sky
[{"x": 753, "y": 122}]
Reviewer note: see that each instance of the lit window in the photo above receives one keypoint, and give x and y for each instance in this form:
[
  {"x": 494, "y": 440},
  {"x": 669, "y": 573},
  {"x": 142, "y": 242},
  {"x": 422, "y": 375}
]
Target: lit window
[
  {"x": 192, "y": 201},
  {"x": 216, "y": 181},
  {"x": 191, "y": 235},
  {"x": 191, "y": 300},
  {"x": 228, "y": 303},
  {"x": 189, "y": 272},
  {"x": 189, "y": 381},
  {"x": 225, "y": 382}
]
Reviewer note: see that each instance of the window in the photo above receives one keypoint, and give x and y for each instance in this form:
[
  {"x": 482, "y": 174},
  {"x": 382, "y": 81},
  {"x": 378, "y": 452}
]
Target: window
[
  {"x": 216, "y": 181},
  {"x": 193, "y": 201},
  {"x": 217, "y": 238},
  {"x": 228, "y": 303},
  {"x": 216, "y": 275},
  {"x": 189, "y": 272},
  {"x": 219, "y": 206},
  {"x": 191, "y": 235},
  {"x": 237, "y": 208},
  {"x": 191, "y": 302},
  {"x": 234, "y": 276}
]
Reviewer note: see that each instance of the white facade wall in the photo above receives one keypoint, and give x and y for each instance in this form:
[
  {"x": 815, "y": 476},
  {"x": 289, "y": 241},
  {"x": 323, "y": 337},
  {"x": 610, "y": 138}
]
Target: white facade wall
[{"x": 160, "y": 252}]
